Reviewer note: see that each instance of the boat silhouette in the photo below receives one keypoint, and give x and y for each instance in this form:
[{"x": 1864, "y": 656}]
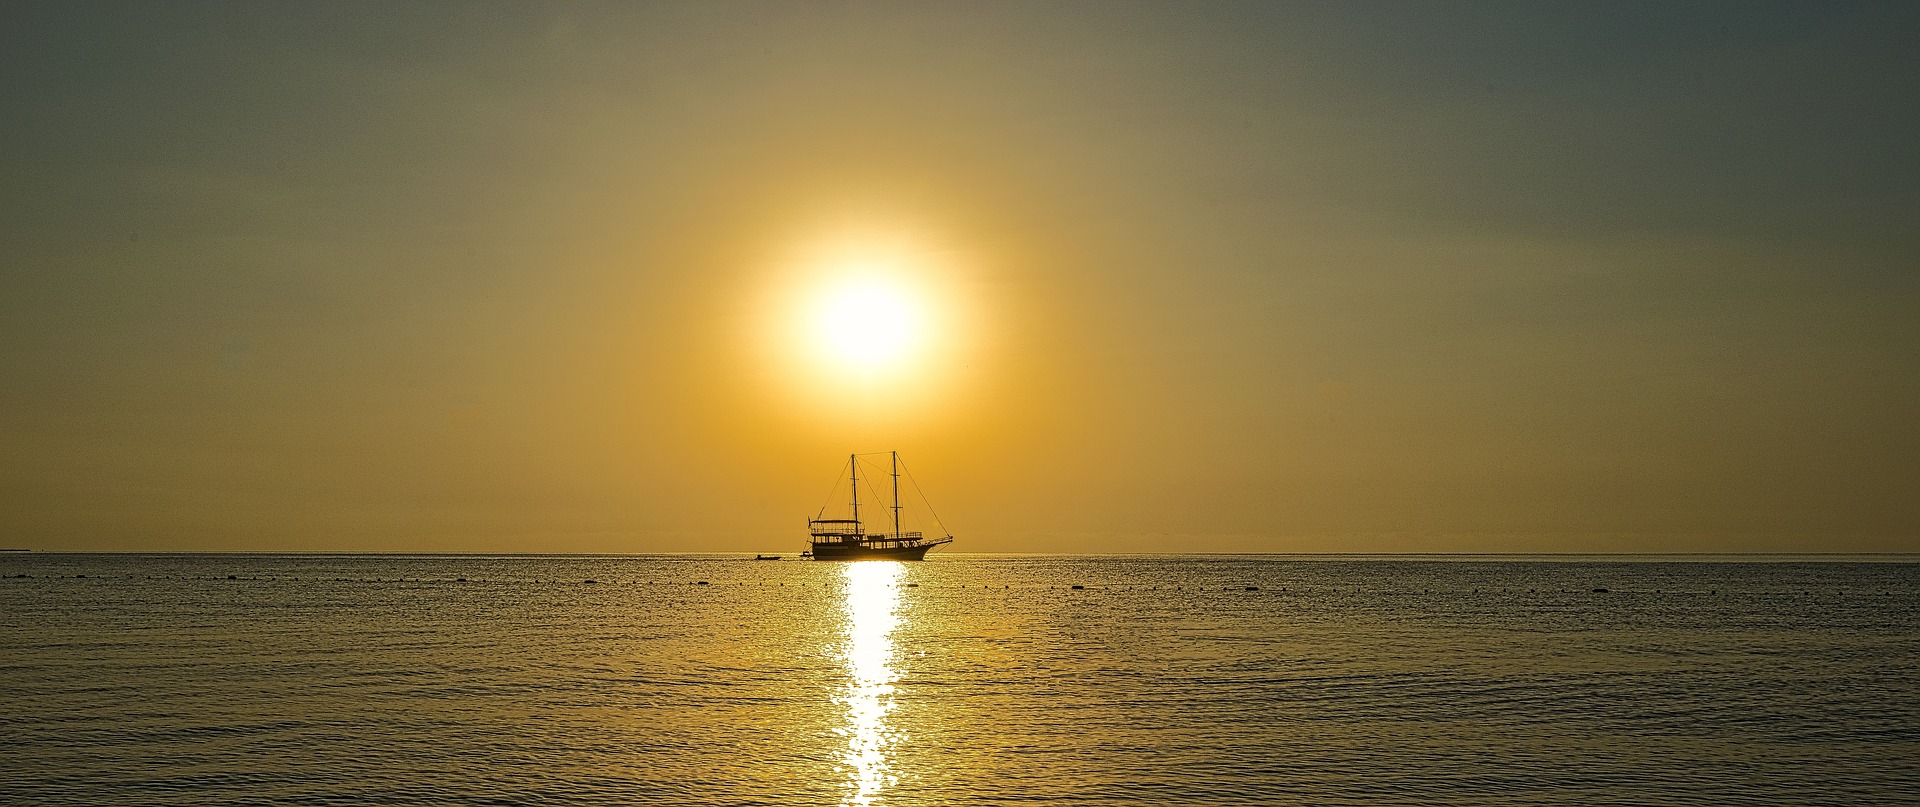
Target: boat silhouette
[{"x": 848, "y": 539}]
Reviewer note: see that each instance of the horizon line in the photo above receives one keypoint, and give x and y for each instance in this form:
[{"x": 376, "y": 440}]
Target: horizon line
[{"x": 406, "y": 553}]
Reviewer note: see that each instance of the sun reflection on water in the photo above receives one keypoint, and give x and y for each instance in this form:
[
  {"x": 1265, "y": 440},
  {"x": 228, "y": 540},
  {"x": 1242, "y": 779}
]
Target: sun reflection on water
[{"x": 873, "y": 594}]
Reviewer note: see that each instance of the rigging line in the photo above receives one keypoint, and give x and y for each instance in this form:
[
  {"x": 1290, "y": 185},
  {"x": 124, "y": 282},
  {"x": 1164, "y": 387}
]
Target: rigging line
[
  {"x": 837, "y": 479},
  {"x": 874, "y": 466},
  {"x": 876, "y": 469},
  {"x": 854, "y": 463},
  {"x": 830, "y": 492},
  {"x": 925, "y": 500},
  {"x": 929, "y": 504}
]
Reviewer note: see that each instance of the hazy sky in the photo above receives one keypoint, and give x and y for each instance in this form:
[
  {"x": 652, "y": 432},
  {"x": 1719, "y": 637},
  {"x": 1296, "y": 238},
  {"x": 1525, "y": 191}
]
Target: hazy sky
[{"x": 1234, "y": 277}]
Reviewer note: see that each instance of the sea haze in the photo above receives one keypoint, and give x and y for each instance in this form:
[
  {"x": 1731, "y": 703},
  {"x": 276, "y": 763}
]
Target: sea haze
[{"x": 968, "y": 679}]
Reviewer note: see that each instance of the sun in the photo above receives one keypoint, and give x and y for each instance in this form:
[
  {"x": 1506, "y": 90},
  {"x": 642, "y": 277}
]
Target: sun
[
  {"x": 863, "y": 327},
  {"x": 867, "y": 322}
]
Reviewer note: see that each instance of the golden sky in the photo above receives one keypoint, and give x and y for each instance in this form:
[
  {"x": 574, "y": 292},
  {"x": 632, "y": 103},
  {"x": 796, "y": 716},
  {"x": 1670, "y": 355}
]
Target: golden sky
[{"x": 1160, "y": 277}]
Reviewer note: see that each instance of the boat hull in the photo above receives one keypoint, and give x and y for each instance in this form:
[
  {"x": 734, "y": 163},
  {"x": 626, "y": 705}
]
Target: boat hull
[{"x": 858, "y": 552}]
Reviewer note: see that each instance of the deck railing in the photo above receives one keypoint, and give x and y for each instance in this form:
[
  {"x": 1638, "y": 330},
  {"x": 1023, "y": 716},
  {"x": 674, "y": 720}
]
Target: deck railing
[{"x": 848, "y": 531}]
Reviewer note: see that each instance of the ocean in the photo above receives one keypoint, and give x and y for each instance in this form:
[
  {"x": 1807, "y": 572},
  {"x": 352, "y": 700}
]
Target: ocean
[{"x": 217, "y": 679}]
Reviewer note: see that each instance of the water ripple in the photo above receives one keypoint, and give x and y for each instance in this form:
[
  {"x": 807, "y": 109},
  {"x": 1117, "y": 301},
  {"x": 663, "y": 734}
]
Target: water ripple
[{"x": 213, "y": 680}]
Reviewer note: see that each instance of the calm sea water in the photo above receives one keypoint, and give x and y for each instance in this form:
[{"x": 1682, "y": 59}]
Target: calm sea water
[{"x": 237, "y": 679}]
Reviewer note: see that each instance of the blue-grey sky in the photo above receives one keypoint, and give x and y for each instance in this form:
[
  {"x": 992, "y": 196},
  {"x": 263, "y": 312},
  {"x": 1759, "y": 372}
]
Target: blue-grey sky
[{"x": 1249, "y": 277}]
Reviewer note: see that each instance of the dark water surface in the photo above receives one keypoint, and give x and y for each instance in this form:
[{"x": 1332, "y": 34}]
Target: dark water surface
[{"x": 259, "y": 679}]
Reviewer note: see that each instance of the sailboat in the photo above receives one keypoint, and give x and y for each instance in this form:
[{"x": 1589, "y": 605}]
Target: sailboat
[{"x": 848, "y": 539}]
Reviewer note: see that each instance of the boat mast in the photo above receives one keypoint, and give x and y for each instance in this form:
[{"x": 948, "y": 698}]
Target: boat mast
[
  {"x": 896, "y": 494},
  {"x": 853, "y": 471}
]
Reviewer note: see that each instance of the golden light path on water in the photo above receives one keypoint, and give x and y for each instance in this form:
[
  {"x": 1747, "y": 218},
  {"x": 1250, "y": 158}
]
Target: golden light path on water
[{"x": 873, "y": 595}]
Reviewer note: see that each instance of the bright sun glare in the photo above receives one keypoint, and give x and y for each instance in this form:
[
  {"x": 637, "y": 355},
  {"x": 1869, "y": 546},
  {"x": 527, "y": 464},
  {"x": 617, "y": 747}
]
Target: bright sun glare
[
  {"x": 872, "y": 613},
  {"x": 867, "y": 323}
]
